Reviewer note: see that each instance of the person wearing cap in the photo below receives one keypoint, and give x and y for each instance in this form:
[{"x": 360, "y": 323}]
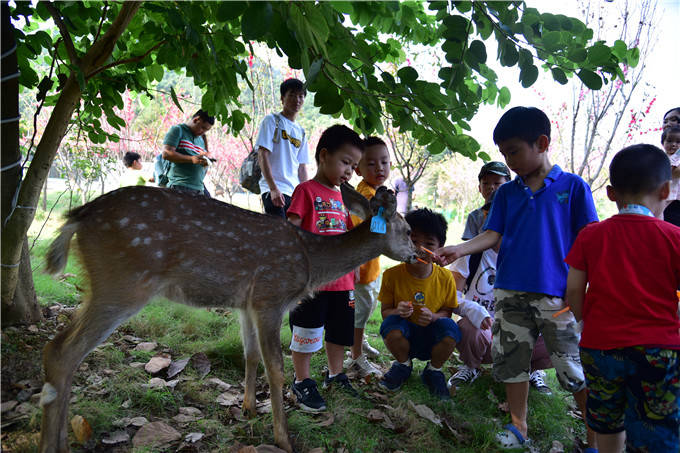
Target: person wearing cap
[{"x": 492, "y": 175}]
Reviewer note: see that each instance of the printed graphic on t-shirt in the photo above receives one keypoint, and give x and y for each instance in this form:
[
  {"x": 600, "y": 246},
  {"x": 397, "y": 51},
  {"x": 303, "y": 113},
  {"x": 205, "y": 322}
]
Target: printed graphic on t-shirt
[
  {"x": 331, "y": 215},
  {"x": 419, "y": 297},
  {"x": 188, "y": 146},
  {"x": 482, "y": 288},
  {"x": 296, "y": 142}
]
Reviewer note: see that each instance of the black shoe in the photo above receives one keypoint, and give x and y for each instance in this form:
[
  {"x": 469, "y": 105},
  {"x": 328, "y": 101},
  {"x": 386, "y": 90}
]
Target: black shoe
[
  {"x": 435, "y": 383},
  {"x": 395, "y": 377},
  {"x": 341, "y": 381},
  {"x": 308, "y": 396}
]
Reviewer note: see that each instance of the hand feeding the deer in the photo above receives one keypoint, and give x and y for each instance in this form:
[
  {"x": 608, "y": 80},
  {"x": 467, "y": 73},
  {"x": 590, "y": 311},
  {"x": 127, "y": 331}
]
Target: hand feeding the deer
[{"x": 240, "y": 259}]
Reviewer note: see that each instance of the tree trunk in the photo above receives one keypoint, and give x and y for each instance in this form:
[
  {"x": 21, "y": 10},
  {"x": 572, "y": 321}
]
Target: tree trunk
[
  {"x": 16, "y": 223},
  {"x": 21, "y": 306}
]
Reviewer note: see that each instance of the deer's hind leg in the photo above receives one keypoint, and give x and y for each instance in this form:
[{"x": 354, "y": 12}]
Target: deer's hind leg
[
  {"x": 93, "y": 323},
  {"x": 269, "y": 336},
  {"x": 251, "y": 350}
]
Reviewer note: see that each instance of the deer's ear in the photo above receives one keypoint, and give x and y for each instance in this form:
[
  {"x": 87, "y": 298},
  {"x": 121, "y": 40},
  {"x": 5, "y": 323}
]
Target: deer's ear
[
  {"x": 384, "y": 198},
  {"x": 355, "y": 202}
]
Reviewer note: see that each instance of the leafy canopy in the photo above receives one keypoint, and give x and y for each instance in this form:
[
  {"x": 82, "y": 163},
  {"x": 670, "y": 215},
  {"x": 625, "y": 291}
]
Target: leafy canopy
[{"x": 344, "y": 49}]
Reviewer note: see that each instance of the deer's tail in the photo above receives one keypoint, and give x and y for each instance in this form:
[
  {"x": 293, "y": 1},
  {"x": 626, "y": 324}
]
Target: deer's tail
[{"x": 57, "y": 255}]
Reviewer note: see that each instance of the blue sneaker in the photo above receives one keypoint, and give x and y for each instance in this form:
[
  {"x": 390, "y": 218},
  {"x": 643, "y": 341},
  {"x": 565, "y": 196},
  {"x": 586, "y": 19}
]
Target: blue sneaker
[
  {"x": 396, "y": 376},
  {"x": 435, "y": 383}
]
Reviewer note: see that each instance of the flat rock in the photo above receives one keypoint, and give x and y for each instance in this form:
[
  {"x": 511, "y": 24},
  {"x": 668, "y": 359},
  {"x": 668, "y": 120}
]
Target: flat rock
[
  {"x": 137, "y": 364},
  {"x": 138, "y": 421},
  {"x": 193, "y": 437},
  {"x": 146, "y": 346},
  {"x": 117, "y": 437},
  {"x": 157, "y": 364},
  {"x": 182, "y": 418},
  {"x": 193, "y": 411},
  {"x": 220, "y": 384},
  {"x": 155, "y": 434}
]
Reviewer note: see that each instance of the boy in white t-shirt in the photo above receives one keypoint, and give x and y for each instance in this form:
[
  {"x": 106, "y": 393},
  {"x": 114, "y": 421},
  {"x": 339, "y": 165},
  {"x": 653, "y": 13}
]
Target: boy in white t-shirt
[{"x": 282, "y": 150}]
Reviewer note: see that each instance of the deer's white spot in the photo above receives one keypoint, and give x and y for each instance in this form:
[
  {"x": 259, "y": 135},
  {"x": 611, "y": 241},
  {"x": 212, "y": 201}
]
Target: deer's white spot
[
  {"x": 132, "y": 198},
  {"x": 160, "y": 236},
  {"x": 106, "y": 226},
  {"x": 160, "y": 214},
  {"x": 208, "y": 227},
  {"x": 144, "y": 204},
  {"x": 231, "y": 235},
  {"x": 159, "y": 254},
  {"x": 197, "y": 222},
  {"x": 222, "y": 222},
  {"x": 147, "y": 240},
  {"x": 185, "y": 227},
  {"x": 124, "y": 221},
  {"x": 141, "y": 226},
  {"x": 135, "y": 242},
  {"x": 146, "y": 195}
]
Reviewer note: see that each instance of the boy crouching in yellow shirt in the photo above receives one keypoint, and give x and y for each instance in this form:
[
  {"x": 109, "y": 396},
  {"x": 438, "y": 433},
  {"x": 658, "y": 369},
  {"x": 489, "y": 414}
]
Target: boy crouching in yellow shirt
[{"x": 416, "y": 303}]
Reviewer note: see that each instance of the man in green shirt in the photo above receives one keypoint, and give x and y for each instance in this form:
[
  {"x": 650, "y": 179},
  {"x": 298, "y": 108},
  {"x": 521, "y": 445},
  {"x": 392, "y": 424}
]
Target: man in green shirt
[{"x": 185, "y": 146}]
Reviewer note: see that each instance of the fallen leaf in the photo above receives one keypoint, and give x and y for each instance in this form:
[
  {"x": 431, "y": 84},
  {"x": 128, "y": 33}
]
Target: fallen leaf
[
  {"x": 378, "y": 396},
  {"x": 557, "y": 447},
  {"x": 264, "y": 407},
  {"x": 387, "y": 423},
  {"x": 201, "y": 363},
  {"x": 183, "y": 419},
  {"x": 266, "y": 448},
  {"x": 117, "y": 437},
  {"x": 157, "y": 364},
  {"x": 188, "y": 410},
  {"x": 220, "y": 384},
  {"x": 193, "y": 437},
  {"x": 426, "y": 413},
  {"x": 137, "y": 364},
  {"x": 248, "y": 449},
  {"x": 375, "y": 415},
  {"x": 504, "y": 407},
  {"x": 138, "y": 421},
  {"x": 155, "y": 383},
  {"x": 327, "y": 422},
  {"x": 155, "y": 434},
  {"x": 236, "y": 412},
  {"x": 228, "y": 399},
  {"x": 8, "y": 406},
  {"x": 131, "y": 338},
  {"x": 317, "y": 450},
  {"x": 177, "y": 366},
  {"x": 146, "y": 346},
  {"x": 81, "y": 429}
]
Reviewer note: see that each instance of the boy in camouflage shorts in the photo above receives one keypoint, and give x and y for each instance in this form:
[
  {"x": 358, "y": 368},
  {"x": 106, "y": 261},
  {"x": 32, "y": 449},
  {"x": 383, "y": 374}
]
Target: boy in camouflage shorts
[{"x": 538, "y": 216}]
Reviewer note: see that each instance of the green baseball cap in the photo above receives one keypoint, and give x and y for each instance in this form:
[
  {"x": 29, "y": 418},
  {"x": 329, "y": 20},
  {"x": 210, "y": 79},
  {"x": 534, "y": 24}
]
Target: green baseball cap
[{"x": 496, "y": 168}]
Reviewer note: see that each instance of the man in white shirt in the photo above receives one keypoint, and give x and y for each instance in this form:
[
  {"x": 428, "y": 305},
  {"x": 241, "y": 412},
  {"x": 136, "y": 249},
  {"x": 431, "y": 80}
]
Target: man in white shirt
[{"x": 282, "y": 150}]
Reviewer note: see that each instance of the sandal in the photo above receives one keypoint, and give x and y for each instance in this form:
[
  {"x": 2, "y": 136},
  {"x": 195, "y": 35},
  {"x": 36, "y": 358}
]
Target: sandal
[{"x": 511, "y": 438}]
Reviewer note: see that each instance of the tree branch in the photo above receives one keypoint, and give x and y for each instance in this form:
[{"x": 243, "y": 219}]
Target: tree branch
[
  {"x": 101, "y": 22},
  {"x": 70, "y": 49},
  {"x": 125, "y": 60}
]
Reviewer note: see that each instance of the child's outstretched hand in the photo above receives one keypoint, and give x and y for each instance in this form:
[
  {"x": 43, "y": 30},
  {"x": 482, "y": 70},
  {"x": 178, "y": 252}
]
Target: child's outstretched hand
[
  {"x": 405, "y": 309},
  {"x": 447, "y": 255}
]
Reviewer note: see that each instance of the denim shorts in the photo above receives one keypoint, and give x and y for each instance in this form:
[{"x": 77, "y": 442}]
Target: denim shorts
[
  {"x": 635, "y": 389},
  {"x": 421, "y": 338}
]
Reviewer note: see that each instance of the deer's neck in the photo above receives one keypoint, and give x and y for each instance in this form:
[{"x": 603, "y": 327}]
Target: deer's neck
[{"x": 331, "y": 257}]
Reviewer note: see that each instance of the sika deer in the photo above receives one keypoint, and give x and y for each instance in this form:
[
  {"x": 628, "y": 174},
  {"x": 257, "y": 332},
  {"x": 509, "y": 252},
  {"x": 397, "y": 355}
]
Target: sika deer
[{"x": 138, "y": 242}]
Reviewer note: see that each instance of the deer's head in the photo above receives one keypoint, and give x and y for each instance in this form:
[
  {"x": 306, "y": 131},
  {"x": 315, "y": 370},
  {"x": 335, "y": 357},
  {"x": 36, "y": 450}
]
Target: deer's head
[{"x": 398, "y": 233}]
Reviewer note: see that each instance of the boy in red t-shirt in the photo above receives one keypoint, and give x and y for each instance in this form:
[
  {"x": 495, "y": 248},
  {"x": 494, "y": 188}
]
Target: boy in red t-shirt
[
  {"x": 317, "y": 206},
  {"x": 630, "y": 345}
]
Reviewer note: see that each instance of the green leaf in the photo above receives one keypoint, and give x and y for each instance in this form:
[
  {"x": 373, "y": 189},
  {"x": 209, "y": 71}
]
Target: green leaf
[
  {"x": 238, "y": 120},
  {"x": 508, "y": 53},
  {"x": 528, "y": 75},
  {"x": 256, "y": 20},
  {"x": 407, "y": 75},
  {"x": 503, "y": 97},
  {"x": 478, "y": 49},
  {"x": 229, "y": 10},
  {"x": 590, "y": 79},
  {"x": 314, "y": 70},
  {"x": 173, "y": 95},
  {"x": 620, "y": 49},
  {"x": 598, "y": 54},
  {"x": 551, "y": 40},
  {"x": 484, "y": 156},
  {"x": 559, "y": 75},
  {"x": 634, "y": 56},
  {"x": 577, "y": 55},
  {"x": 456, "y": 28}
]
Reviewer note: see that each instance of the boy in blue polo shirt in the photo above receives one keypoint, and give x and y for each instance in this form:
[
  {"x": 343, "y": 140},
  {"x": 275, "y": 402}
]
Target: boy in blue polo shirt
[{"x": 538, "y": 216}]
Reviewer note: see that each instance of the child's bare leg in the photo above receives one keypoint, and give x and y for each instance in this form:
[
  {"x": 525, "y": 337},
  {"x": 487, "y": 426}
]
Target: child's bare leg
[
  {"x": 442, "y": 351},
  {"x": 591, "y": 438},
  {"x": 398, "y": 345},
  {"x": 334, "y": 353},
  {"x": 301, "y": 362},
  {"x": 358, "y": 340},
  {"x": 517, "y": 394},
  {"x": 611, "y": 443}
]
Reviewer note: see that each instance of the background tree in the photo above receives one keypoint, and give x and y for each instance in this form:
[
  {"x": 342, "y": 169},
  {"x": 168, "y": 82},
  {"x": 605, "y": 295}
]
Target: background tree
[{"x": 98, "y": 51}]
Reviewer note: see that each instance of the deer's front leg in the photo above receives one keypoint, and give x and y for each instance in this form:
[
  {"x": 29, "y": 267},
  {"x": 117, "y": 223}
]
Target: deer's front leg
[
  {"x": 269, "y": 331},
  {"x": 251, "y": 351}
]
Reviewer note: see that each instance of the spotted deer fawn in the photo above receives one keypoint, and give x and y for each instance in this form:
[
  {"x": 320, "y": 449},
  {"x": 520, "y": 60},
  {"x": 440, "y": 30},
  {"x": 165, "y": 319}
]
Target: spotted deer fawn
[{"x": 139, "y": 242}]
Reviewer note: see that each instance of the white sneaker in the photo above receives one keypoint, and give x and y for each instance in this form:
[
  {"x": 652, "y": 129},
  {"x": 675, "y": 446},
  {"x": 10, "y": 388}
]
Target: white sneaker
[
  {"x": 369, "y": 350},
  {"x": 362, "y": 366},
  {"x": 464, "y": 375},
  {"x": 536, "y": 381}
]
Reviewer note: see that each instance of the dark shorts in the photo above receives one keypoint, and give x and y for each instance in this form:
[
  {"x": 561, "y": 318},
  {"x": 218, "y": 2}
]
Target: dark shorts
[
  {"x": 421, "y": 338},
  {"x": 634, "y": 389},
  {"x": 672, "y": 213},
  {"x": 333, "y": 310},
  {"x": 186, "y": 189},
  {"x": 269, "y": 207}
]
